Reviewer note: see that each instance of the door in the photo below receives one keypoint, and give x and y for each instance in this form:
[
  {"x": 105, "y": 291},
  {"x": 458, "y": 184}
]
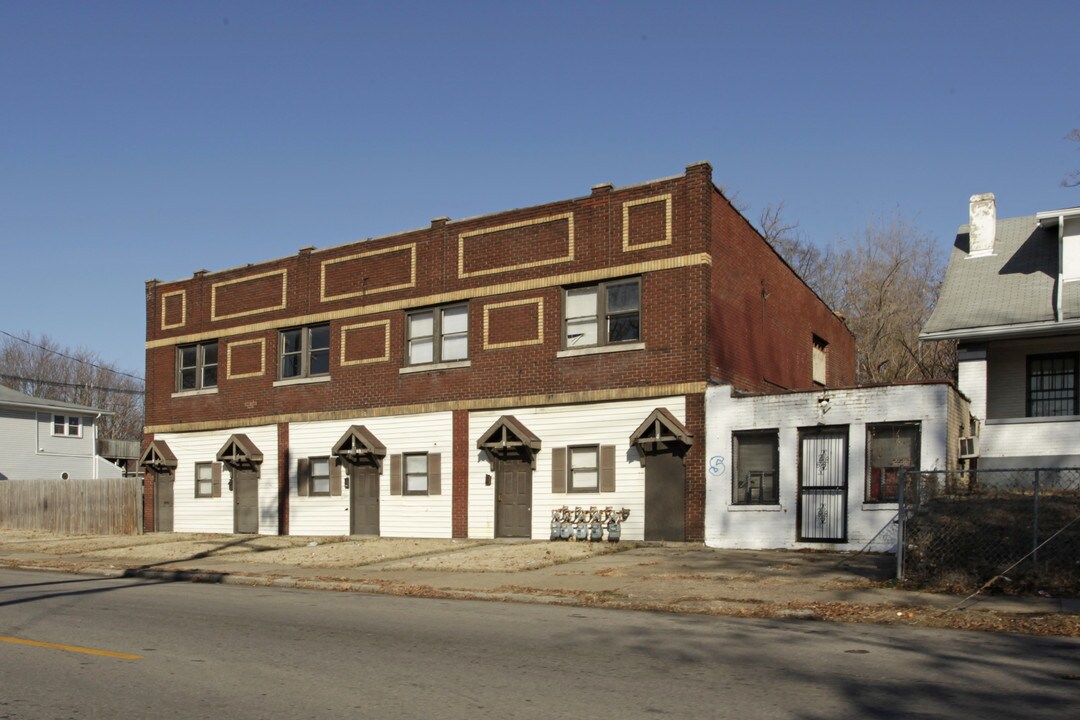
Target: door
[
  {"x": 665, "y": 498},
  {"x": 163, "y": 501},
  {"x": 363, "y": 500},
  {"x": 823, "y": 485},
  {"x": 513, "y": 498},
  {"x": 245, "y": 501}
]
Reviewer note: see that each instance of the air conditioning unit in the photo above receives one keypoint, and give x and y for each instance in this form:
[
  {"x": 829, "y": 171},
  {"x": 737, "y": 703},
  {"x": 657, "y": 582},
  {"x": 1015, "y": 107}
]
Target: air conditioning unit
[{"x": 969, "y": 447}]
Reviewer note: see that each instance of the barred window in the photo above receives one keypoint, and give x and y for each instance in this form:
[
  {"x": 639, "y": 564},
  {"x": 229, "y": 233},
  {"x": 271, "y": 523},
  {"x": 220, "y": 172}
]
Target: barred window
[{"x": 1052, "y": 385}]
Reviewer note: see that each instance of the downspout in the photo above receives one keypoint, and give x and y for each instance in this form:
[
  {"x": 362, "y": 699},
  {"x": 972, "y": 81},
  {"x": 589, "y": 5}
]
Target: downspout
[
  {"x": 1061, "y": 268},
  {"x": 94, "y": 454}
]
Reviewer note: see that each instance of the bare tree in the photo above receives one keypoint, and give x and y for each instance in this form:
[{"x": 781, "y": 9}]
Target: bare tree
[
  {"x": 42, "y": 368},
  {"x": 891, "y": 277},
  {"x": 1073, "y": 178},
  {"x": 813, "y": 264}
]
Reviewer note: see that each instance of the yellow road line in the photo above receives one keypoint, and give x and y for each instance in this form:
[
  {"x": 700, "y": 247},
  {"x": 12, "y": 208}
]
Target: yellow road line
[{"x": 70, "y": 648}]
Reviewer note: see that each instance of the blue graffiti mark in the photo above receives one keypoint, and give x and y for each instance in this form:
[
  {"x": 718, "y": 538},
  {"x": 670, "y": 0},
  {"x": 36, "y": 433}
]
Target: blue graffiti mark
[{"x": 716, "y": 465}]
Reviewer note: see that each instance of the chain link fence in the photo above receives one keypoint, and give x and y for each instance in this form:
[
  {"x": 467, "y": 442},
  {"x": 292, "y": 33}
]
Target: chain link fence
[{"x": 1016, "y": 530}]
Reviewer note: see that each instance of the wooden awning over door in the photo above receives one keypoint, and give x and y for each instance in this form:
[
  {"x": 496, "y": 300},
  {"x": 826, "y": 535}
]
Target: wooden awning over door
[
  {"x": 661, "y": 432},
  {"x": 239, "y": 452},
  {"x": 358, "y": 445},
  {"x": 508, "y": 435},
  {"x": 158, "y": 457}
]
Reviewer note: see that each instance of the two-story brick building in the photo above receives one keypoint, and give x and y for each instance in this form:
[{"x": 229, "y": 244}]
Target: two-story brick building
[{"x": 466, "y": 378}]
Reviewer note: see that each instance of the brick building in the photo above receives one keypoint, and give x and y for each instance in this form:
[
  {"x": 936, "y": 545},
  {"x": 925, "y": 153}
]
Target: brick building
[{"x": 464, "y": 379}]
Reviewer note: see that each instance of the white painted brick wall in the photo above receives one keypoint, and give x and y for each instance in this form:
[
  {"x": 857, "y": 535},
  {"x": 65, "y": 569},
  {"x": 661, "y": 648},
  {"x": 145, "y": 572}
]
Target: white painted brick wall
[{"x": 731, "y": 526}]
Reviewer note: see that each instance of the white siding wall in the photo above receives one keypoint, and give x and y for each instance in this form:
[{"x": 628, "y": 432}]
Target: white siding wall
[
  {"x": 747, "y": 526},
  {"x": 971, "y": 379},
  {"x": 426, "y": 516},
  {"x": 1030, "y": 438},
  {"x": 562, "y": 426},
  {"x": 215, "y": 515},
  {"x": 29, "y": 451},
  {"x": 1007, "y": 373}
]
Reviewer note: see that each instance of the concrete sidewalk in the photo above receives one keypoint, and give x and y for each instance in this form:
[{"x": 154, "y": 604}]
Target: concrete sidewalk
[{"x": 685, "y": 578}]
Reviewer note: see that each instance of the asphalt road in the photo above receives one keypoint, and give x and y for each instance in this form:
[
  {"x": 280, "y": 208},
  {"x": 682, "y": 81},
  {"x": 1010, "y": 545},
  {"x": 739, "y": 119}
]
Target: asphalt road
[{"x": 177, "y": 650}]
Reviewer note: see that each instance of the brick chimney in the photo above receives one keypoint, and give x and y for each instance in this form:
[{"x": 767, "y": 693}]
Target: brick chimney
[{"x": 983, "y": 224}]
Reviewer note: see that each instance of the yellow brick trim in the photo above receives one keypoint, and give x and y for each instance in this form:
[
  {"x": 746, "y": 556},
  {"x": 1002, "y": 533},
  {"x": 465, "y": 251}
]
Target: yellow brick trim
[
  {"x": 183, "y": 309},
  {"x": 499, "y": 403},
  {"x": 586, "y": 276},
  {"x": 666, "y": 199},
  {"x": 284, "y": 273},
  {"x": 261, "y": 342},
  {"x": 538, "y": 340},
  {"x": 386, "y": 343},
  {"x": 411, "y": 247},
  {"x": 569, "y": 217}
]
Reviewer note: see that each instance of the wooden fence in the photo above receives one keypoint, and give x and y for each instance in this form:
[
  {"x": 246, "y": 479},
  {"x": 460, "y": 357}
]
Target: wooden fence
[{"x": 111, "y": 506}]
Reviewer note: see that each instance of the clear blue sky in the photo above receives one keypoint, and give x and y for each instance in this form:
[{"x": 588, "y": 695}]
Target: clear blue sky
[{"x": 152, "y": 139}]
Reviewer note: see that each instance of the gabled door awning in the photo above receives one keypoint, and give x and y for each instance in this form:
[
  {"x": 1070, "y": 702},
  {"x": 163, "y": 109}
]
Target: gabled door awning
[
  {"x": 158, "y": 457},
  {"x": 509, "y": 435},
  {"x": 358, "y": 444},
  {"x": 239, "y": 452},
  {"x": 661, "y": 432}
]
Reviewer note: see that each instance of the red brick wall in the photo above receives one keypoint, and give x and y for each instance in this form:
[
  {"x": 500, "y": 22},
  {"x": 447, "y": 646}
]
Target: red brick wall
[
  {"x": 461, "y": 445},
  {"x": 672, "y": 316},
  {"x": 283, "y": 478},
  {"x": 694, "y": 464},
  {"x": 763, "y": 317}
]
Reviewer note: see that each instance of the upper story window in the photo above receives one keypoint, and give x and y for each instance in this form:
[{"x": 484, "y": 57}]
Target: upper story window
[
  {"x": 819, "y": 359},
  {"x": 196, "y": 366},
  {"x": 1052, "y": 385},
  {"x": 756, "y": 474},
  {"x": 438, "y": 335},
  {"x": 305, "y": 352},
  {"x": 602, "y": 314},
  {"x": 891, "y": 447},
  {"x": 67, "y": 426}
]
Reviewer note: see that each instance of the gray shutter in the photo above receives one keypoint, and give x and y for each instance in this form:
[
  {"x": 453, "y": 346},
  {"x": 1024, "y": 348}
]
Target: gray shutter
[
  {"x": 335, "y": 476},
  {"x": 434, "y": 474},
  {"x": 215, "y": 474},
  {"x": 303, "y": 477},
  {"x": 395, "y": 474},
  {"x": 607, "y": 468},
  {"x": 558, "y": 470}
]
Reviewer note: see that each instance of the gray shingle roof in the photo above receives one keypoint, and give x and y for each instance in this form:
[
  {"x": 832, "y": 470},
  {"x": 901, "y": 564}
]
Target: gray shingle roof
[
  {"x": 1014, "y": 286},
  {"x": 14, "y": 398}
]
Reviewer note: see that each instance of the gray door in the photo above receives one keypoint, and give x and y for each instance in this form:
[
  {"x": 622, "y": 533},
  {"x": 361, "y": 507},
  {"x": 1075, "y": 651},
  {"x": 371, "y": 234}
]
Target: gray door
[
  {"x": 823, "y": 485},
  {"x": 363, "y": 500},
  {"x": 245, "y": 501},
  {"x": 513, "y": 498},
  {"x": 163, "y": 501},
  {"x": 665, "y": 498}
]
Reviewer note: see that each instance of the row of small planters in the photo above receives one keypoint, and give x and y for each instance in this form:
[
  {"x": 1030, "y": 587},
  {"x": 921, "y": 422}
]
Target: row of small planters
[{"x": 587, "y": 525}]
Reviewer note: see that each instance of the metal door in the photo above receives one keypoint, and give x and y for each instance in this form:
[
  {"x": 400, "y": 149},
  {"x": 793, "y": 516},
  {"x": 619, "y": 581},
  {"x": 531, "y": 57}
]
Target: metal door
[
  {"x": 163, "y": 501},
  {"x": 513, "y": 498},
  {"x": 245, "y": 486},
  {"x": 665, "y": 498},
  {"x": 823, "y": 485},
  {"x": 363, "y": 500}
]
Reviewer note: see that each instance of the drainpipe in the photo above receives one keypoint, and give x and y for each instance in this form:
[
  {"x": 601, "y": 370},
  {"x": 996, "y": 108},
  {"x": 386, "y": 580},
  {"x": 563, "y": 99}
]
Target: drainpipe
[
  {"x": 94, "y": 454},
  {"x": 1061, "y": 267}
]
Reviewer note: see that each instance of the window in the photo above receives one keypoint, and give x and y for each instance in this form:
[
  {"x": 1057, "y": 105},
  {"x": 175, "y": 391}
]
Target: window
[
  {"x": 204, "y": 480},
  {"x": 67, "y": 426},
  {"x": 603, "y": 314},
  {"x": 438, "y": 335},
  {"x": 584, "y": 469},
  {"x": 1052, "y": 385},
  {"x": 320, "y": 476},
  {"x": 819, "y": 360},
  {"x": 756, "y": 472},
  {"x": 416, "y": 474},
  {"x": 196, "y": 366},
  {"x": 305, "y": 352},
  {"x": 891, "y": 447}
]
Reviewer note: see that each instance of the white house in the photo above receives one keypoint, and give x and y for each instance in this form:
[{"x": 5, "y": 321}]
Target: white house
[
  {"x": 819, "y": 469},
  {"x": 47, "y": 439},
  {"x": 1011, "y": 299}
]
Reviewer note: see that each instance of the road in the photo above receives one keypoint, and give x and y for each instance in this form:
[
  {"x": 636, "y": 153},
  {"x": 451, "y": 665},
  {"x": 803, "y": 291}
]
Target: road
[{"x": 178, "y": 650}]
